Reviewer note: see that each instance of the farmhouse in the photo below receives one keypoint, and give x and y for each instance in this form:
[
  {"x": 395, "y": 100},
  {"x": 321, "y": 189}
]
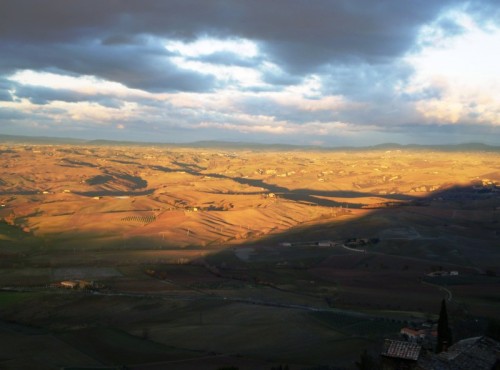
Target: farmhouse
[
  {"x": 70, "y": 284},
  {"x": 77, "y": 284},
  {"x": 413, "y": 335},
  {"x": 324, "y": 243},
  {"x": 426, "y": 335},
  {"x": 443, "y": 273}
]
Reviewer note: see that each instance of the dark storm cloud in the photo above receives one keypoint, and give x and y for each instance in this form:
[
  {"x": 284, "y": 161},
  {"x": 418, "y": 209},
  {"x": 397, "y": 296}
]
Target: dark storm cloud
[
  {"x": 301, "y": 35},
  {"x": 44, "y": 95},
  {"x": 100, "y": 38},
  {"x": 290, "y": 113},
  {"x": 365, "y": 82},
  {"x": 352, "y": 49},
  {"x": 457, "y": 133},
  {"x": 143, "y": 66},
  {"x": 5, "y": 87},
  {"x": 8, "y": 114},
  {"x": 280, "y": 78}
]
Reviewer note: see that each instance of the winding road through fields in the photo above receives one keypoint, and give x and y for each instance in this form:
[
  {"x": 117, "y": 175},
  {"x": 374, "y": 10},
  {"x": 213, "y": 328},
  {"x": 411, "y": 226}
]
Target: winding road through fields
[{"x": 449, "y": 294}]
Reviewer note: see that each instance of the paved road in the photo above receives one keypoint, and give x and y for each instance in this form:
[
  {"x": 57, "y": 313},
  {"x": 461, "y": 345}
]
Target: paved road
[
  {"x": 449, "y": 294},
  {"x": 353, "y": 249}
]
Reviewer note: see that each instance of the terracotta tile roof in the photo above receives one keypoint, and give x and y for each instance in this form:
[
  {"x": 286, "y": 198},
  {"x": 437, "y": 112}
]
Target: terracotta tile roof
[
  {"x": 414, "y": 332},
  {"x": 480, "y": 353},
  {"x": 402, "y": 350}
]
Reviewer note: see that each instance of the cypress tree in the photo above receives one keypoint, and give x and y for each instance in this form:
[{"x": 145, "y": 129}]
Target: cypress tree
[
  {"x": 444, "y": 339},
  {"x": 366, "y": 362}
]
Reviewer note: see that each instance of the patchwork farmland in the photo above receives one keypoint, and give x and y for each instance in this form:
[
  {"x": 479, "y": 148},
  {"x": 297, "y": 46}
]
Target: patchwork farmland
[{"x": 251, "y": 258}]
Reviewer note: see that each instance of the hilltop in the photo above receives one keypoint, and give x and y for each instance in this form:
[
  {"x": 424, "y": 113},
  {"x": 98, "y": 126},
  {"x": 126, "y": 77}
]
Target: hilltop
[{"x": 239, "y": 145}]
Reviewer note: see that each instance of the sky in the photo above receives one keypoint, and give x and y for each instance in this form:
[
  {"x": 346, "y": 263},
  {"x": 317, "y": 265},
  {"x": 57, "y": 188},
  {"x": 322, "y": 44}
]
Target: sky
[{"x": 306, "y": 72}]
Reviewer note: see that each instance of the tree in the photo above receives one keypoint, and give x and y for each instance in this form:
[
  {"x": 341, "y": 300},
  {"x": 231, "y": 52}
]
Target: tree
[
  {"x": 366, "y": 362},
  {"x": 444, "y": 339},
  {"x": 493, "y": 330}
]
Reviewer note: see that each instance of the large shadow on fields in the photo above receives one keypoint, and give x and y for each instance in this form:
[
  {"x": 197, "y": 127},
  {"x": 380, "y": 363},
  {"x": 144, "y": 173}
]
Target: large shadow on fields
[
  {"x": 321, "y": 293},
  {"x": 462, "y": 217},
  {"x": 454, "y": 229},
  {"x": 308, "y": 196}
]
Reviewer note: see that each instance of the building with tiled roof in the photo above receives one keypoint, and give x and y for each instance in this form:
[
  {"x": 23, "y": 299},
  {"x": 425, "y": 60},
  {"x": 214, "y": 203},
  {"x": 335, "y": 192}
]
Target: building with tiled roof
[
  {"x": 479, "y": 353},
  {"x": 426, "y": 335},
  {"x": 400, "y": 355}
]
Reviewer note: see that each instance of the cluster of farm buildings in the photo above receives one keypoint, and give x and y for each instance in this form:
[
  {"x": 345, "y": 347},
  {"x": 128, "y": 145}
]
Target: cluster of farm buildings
[{"x": 78, "y": 284}]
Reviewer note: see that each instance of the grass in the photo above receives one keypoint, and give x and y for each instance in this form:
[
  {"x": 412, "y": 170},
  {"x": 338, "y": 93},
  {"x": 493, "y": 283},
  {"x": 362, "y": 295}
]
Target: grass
[
  {"x": 115, "y": 346},
  {"x": 357, "y": 326},
  {"x": 24, "y": 275},
  {"x": 12, "y": 298},
  {"x": 14, "y": 240}
]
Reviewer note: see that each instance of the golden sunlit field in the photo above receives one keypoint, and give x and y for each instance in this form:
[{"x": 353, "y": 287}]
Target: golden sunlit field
[{"x": 248, "y": 258}]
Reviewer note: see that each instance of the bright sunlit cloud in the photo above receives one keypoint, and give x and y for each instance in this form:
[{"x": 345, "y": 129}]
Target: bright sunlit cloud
[
  {"x": 461, "y": 71},
  {"x": 59, "y": 111},
  {"x": 88, "y": 84},
  {"x": 267, "y": 125},
  {"x": 229, "y": 75},
  {"x": 190, "y": 57},
  {"x": 207, "y": 46}
]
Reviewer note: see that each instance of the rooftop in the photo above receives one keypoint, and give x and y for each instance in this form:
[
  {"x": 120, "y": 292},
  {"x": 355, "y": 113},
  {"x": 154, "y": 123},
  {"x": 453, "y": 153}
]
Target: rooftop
[
  {"x": 402, "y": 350},
  {"x": 478, "y": 353}
]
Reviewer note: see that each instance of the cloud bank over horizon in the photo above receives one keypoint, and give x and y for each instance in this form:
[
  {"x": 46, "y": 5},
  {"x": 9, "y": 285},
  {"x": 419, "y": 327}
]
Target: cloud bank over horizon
[{"x": 287, "y": 71}]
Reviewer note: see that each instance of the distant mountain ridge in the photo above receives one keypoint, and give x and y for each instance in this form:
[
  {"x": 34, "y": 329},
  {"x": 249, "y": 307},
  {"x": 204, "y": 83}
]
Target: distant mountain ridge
[
  {"x": 39, "y": 139},
  {"x": 246, "y": 145}
]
